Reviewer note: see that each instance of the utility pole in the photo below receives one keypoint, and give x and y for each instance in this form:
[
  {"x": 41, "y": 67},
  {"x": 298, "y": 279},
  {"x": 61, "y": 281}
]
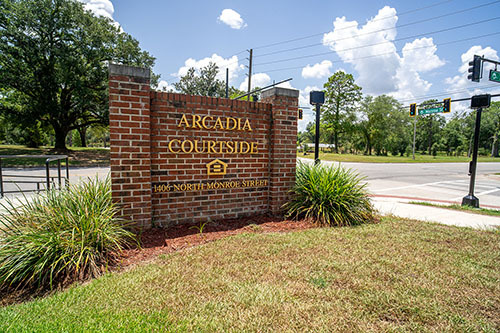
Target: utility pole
[
  {"x": 250, "y": 72},
  {"x": 227, "y": 82}
]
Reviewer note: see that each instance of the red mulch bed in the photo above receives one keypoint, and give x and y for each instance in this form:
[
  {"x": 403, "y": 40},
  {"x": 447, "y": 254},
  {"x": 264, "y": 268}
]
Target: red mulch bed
[{"x": 160, "y": 241}]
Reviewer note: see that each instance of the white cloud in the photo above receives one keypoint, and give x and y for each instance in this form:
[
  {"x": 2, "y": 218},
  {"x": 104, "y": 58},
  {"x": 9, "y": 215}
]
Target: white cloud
[
  {"x": 165, "y": 86},
  {"x": 232, "y": 19},
  {"x": 317, "y": 71},
  {"x": 231, "y": 63},
  {"x": 419, "y": 55},
  {"x": 258, "y": 80},
  {"x": 372, "y": 52},
  {"x": 102, "y": 8}
]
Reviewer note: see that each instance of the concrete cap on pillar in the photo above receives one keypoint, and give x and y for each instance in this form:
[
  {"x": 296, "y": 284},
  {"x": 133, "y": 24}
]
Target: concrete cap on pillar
[
  {"x": 278, "y": 91},
  {"x": 115, "y": 69}
]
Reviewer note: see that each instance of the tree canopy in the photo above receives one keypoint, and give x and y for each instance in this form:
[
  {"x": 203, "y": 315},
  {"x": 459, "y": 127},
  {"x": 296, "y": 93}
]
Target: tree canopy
[{"x": 54, "y": 55}]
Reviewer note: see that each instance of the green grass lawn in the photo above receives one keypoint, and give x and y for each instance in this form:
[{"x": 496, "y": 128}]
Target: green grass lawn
[
  {"x": 480, "y": 211},
  {"x": 397, "y": 275},
  {"x": 77, "y": 156},
  {"x": 395, "y": 159}
]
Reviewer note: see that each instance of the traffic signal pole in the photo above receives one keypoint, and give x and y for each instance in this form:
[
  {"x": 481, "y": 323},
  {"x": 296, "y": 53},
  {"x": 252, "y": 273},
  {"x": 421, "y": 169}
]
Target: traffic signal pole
[
  {"x": 470, "y": 199},
  {"x": 414, "y": 134}
]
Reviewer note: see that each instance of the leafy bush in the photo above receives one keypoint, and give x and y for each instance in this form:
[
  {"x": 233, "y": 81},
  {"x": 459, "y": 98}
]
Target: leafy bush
[
  {"x": 329, "y": 195},
  {"x": 60, "y": 235}
]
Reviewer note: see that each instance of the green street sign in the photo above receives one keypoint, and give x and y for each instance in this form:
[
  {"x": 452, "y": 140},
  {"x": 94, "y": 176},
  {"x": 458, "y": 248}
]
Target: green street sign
[
  {"x": 494, "y": 76},
  {"x": 421, "y": 112}
]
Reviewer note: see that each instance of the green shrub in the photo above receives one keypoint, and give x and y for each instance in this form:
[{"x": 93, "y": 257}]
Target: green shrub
[
  {"x": 59, "y": 236},
  {"x": 329, "y": 195}
]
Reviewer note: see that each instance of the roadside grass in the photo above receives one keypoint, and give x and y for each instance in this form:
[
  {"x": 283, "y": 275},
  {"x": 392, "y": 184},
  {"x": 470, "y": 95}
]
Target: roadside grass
[
  {"x": 480, "y": 211},
  {"x": 395, "y": 159},
  {"x": 397, "y": 275},
  {"x": 78, "y": 156}
]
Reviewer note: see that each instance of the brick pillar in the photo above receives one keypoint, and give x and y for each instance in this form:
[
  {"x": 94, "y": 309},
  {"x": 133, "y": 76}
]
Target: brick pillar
[
  {"x": 129, "y": 127},
  {"x": 283, "y": 144}
]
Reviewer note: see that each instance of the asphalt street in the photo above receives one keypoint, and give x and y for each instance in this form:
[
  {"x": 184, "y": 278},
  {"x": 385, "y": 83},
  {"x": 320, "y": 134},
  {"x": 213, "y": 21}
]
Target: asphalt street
[{"x": 432, "y": 181}]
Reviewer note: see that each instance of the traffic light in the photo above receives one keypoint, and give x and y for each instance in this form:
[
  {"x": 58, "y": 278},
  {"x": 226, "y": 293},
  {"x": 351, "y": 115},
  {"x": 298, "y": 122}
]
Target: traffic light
[
  {"x": 300, "y": 114},
  {"x": 475, "y": 69},
  {"x": 413, "y": 110},
  {"x": 446, "y": 105}
]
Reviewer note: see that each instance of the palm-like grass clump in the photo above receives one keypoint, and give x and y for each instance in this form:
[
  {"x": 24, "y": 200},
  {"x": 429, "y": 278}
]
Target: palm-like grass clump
[
  {"x": 329, "y": 195},
  {"x": 61, "y": 234}
]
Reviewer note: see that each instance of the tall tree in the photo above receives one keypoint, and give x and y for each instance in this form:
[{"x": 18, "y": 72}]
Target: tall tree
[
  {"x": 341, "y": 98},
  {"x": 384, "y": 125},
  {"x": 428, "y": 129},
  {"x": 55, "y": 54},
  {"x": 203, "y": 82}
]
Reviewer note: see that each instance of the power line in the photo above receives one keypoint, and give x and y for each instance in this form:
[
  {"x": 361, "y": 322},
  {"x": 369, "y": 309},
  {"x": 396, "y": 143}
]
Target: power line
[
  {"x": 380, "y": 30},
  {"x": 379, "y": 19},
  {"x": 388, "y": 53},
  {"x": 447, "y": 93},
  {"x": 395, "y": 40}
]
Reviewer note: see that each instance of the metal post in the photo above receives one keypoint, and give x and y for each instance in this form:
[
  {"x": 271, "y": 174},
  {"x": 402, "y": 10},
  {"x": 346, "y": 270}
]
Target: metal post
[
  {"x": 59, "y": 173},
  {"x": 470, "y": 199},
  {"x": 1, "y": 179},
  {"x": 67, "y": 172},
  {"x": 227, "y": 82},
  {"x": 414, "y": 134},
  {"x": 47, "y": 174},
  {"x": 316, "y": 140},
  {"x": 249, "y": 73}
]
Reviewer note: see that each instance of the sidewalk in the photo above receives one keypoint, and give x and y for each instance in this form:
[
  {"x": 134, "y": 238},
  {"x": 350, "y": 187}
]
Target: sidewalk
[{"x": 401, "y": 208}]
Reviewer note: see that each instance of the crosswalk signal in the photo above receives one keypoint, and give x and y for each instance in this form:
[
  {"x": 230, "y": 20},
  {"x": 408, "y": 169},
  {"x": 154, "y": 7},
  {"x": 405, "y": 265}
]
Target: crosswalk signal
[
  {"x": 475, "y": 69},
  {"x": 446, "y": 105},
  {"x": 413, "y": 110}
]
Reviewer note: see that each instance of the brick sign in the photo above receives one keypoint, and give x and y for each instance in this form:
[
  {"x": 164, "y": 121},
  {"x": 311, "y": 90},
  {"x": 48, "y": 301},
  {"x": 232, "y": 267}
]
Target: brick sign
[{"x": 183, "y": 159}]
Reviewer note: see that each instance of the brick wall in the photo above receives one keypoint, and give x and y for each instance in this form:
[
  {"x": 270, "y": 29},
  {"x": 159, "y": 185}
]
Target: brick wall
[{"x": 160, "y": 179}]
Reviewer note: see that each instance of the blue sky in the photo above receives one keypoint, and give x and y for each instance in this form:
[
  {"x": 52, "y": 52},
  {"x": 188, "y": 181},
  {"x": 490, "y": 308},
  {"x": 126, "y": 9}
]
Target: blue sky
[{"x": 408, "y": 49}]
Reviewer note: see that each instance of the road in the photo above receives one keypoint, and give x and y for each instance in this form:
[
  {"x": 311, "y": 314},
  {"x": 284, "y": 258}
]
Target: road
[
  {"x": 433, "y": 181},
  {"x": 38, "y": 174}
]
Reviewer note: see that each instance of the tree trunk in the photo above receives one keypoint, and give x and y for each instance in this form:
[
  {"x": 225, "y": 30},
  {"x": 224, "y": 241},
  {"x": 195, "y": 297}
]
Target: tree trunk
[
  {"x": 83, "y": 133},
  {"x": 60, "y": 134},
  {"x": 494, "y": 146}
]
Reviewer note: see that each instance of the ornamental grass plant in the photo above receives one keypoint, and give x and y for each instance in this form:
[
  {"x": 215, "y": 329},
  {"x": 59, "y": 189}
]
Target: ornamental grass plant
[
  {"x": 328, "y": 195},
  {"x": 60, "y": 235}
]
